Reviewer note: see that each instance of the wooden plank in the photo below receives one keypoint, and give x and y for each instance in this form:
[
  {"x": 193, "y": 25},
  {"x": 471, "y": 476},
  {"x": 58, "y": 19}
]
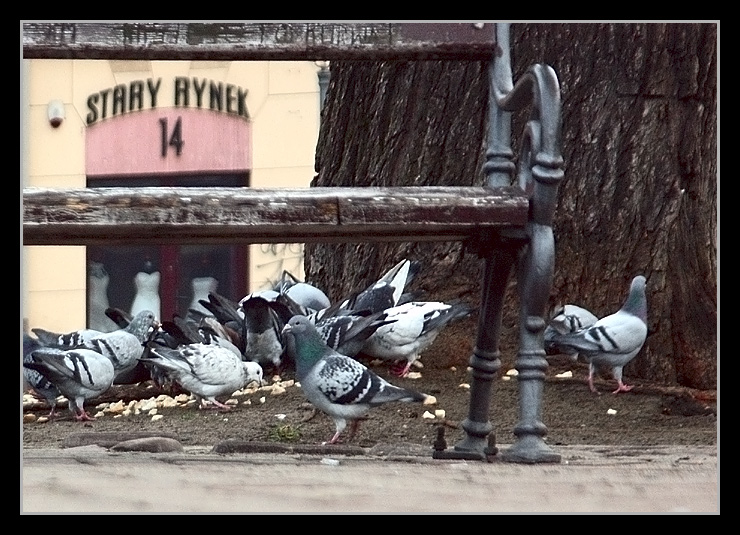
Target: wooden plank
[
  {"x": 87, "y": 216},
  {"x": 258, "y": 41}
]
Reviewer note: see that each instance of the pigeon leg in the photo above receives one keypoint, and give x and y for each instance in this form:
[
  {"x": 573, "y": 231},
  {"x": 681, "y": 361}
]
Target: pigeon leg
[
  {"x": 622, "y": 387},
  {"x": 216, "y": 405},
  {"x": 333, "y": 440},
  {"x": 401, "y": 370},
  {"x": 78, "y": 410},
  {"x": 83, "y": 416},
  {"x": 354, "y": 426},
  {"x": 591, "y": 378},
  {"x": 340, "y": 425}
]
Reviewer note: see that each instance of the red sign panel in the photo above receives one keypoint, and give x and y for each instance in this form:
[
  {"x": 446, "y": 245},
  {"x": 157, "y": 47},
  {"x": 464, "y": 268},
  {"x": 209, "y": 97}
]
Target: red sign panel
[{"x": 168, "y": 141}]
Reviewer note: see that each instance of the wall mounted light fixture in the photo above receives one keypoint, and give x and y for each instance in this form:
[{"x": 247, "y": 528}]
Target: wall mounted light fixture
[{"x": 55, "y": 112}]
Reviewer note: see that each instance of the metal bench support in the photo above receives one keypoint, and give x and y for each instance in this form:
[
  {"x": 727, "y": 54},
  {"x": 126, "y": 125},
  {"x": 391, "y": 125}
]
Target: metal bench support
[{"x": 532, "y": 256}]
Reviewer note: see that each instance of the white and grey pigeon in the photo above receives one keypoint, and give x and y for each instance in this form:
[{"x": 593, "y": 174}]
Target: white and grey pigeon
[
  {"x": 204, "y": 370},
  {"x": 342, "y": 329},
  {"x": 566, "y": 319},
  {"x": 338, "y": 385},
  {"x": 387, "y": 291},
  {"x": 417, "y": 325},
  {"x": 123, "y": 346},
  {"x": 614, "y": 340},
  {"x": 79, "y": 374},
  {"x": 37, "y": 384}
]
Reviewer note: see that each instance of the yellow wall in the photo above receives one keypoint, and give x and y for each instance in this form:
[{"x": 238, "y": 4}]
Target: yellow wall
[{"x": 283, "y": 102}]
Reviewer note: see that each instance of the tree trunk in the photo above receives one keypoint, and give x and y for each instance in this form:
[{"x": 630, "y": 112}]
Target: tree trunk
[{"x": 640, "y": 188}]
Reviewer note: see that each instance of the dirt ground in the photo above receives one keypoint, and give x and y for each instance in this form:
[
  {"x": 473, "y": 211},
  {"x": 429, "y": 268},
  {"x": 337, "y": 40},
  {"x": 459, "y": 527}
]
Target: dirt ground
[{"x": 650, "y": 414}]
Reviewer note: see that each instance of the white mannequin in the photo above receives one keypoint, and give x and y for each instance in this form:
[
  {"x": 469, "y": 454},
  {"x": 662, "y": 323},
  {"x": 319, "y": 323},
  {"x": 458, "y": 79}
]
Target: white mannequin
[
  {"x": 97, "y": 282},
  {"x": 147, "y": 293},
  {"x": 201, "y": 288}
]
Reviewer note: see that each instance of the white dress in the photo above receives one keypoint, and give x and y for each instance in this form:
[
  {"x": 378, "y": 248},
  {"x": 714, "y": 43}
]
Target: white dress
[
  {"x": 201, "y": 288},
  {"x": 97, "y": 285},
  {"x": 147, "y": 293}
]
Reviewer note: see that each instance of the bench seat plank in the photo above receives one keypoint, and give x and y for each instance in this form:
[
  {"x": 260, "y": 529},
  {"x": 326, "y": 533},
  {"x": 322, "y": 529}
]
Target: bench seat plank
[
  {"x": 156, "y": 215},
  {"x": 258, "y": 41}
]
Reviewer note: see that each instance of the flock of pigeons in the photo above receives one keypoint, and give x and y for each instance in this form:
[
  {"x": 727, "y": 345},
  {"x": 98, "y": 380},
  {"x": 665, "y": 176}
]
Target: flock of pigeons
[{"x": 215, "y": 353}]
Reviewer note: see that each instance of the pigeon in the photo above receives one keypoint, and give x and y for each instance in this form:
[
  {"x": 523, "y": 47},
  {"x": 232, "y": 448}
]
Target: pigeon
[
  {"x": 338, "y": 385},
  {"x": 36, "y": 383},
  {"x": 417, "y": 324},
  {"x": 206, "y": 331},
  {"x": 123, "y": 346},
  {"x": 345, "y": 331},
  {"x": 348, "y": 333},
  {"x": 261, "y": 333},
  {"x": 567, "y": 319},
  {"x": 614, "y": 340},
  {"x": 79, "y": 374},
  {"x": 223, "y": 309},
  {"x": 388, "y": 291},
  {"x": 306, "y": 295},
  {"x": 207, "y": 321},
  {"x": 204, "y": 370}
]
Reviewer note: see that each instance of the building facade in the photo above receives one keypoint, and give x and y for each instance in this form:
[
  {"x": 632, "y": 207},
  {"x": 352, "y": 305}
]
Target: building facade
[{"x": 106, "y": 123}]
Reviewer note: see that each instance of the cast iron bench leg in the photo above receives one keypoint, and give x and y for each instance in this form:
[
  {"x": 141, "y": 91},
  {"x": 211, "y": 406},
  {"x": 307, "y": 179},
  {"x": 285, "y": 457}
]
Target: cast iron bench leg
[{"x": 485, "y": 361}]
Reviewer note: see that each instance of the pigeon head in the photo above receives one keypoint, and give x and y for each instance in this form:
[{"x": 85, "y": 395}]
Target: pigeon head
[
  {"x": 304, "y": 343},
  {"x": 254, "y": 372},
  {"x": 636, "y": 302},
  {"x": 143, "y": 324}
]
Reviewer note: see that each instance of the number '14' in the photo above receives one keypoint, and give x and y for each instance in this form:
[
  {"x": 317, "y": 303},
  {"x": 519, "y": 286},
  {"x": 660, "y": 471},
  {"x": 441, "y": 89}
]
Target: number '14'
[{"x": 171, "y": 140}]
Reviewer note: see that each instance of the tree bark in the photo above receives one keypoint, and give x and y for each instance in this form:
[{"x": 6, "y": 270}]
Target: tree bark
[{"x": 640, "y": 190}]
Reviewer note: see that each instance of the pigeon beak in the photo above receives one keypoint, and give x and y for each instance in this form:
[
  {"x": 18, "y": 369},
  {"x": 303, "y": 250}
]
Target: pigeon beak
[{"x": 287, "y": 328}]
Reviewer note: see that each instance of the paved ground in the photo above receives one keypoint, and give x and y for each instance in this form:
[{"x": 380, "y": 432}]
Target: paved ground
[{"x": 660, "y": 479}]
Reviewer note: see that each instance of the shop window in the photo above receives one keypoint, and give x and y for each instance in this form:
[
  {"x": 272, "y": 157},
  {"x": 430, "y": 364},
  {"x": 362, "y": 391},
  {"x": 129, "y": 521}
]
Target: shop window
[{"x": 168, "y": 279}]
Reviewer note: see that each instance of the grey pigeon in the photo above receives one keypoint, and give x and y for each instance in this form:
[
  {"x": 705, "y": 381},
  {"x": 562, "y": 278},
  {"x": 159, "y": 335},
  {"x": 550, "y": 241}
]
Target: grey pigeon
[
  {"x": 306, "y": 295},
  {"x": 338, "y": 385},
  {"x": 614, "y": 340},
  {"x": 204, "y": 370},
  {"x": 417, "y": 325},
  {"x": 123, "y": 346},
  {"x": 566, "y": 319},
  {"x": 79, "y": 374},
  {"x": 39, "y": 385}
]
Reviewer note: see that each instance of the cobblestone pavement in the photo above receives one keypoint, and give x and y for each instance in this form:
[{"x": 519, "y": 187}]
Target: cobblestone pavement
[{"x": 660, "y": 479}]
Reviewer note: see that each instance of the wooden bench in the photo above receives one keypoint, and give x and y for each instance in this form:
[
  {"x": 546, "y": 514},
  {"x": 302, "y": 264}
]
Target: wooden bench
[{"x": 508, "y": 221}]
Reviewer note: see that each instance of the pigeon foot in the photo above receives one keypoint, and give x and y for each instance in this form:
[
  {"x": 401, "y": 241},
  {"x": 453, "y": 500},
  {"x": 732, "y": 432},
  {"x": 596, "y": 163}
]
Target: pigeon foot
[{"x": 622, "y": 388}]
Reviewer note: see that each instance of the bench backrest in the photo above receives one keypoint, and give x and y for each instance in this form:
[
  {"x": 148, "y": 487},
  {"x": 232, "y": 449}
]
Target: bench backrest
[{"x": 84, "y": 216}]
